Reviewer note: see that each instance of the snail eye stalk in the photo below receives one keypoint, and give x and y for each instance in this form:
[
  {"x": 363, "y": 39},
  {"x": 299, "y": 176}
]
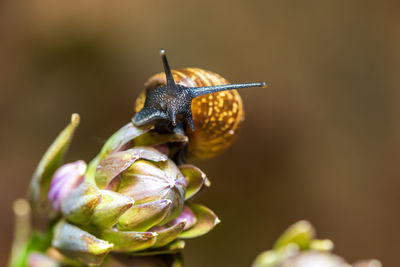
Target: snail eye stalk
[
  {"x": 168, "y": 74},
  {"x": 173, "y": 102}
]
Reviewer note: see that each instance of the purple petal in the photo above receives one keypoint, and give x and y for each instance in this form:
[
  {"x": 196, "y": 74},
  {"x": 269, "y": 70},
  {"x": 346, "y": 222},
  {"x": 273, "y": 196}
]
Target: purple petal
[
  {"x": 65, "y": 179},
  {"x": 186, "y": 215}
]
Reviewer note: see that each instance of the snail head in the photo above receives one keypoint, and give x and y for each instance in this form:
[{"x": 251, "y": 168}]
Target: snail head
[{"x": 172, "y": 103}]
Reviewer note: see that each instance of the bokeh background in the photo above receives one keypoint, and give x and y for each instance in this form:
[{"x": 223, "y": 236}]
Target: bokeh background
[{"x": 322, "y": 142}]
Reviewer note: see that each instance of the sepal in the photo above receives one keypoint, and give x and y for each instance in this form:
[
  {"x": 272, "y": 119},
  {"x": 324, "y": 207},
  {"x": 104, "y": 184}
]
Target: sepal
[
  {"x": 206, "y": 220},
  {"x": 40, "y": 183},
  {"x": 78, "y": 207},
  {"x": 80, "y": 245}
]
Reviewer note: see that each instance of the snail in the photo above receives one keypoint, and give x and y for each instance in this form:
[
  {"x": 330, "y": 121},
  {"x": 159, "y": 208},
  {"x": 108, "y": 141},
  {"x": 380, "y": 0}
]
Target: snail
[{"x": 199, "y": 102}]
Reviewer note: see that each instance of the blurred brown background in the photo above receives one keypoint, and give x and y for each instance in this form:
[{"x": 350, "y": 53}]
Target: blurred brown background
[{"x": 322, "y": 142}]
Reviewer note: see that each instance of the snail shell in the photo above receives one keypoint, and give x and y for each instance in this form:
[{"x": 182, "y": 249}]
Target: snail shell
[{"x": 217, "y": 116}]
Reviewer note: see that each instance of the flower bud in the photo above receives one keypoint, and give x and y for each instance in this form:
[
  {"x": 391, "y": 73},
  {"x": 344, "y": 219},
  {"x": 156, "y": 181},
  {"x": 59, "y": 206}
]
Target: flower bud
[
  {"x": 42, "y": 260},
  {"x": 128, "y": 200},
  {"x": 314, "y": 258},
  {"x": 65, "y": 179}
]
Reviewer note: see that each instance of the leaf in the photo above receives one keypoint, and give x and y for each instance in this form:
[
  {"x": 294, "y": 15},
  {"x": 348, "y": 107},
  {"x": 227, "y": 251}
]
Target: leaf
[
  {"x": 51, "y": 160},
  {"x": 37, "y": 242}
]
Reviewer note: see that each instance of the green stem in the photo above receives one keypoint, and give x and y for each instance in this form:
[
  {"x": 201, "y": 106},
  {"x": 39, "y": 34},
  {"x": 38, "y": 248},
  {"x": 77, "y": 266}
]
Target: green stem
[{"x": 22, "y": 212}]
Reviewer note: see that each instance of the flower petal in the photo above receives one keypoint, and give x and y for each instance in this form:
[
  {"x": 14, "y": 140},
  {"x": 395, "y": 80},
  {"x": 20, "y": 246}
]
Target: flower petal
[
  {"x": 129, "y": 241},
  {"x": 64, "y": 180},
  {"x": 111, "y": 207},
  {"x": 195, "y": 179},
  {"x": 147, "y": 180},
  {"x": 169, "y": 234},
  {"x": 186, "y": 215},
  {"x": 367, "y": 263},
  {"x": 268, "y": 258},
  {"x": 314, "y": 258},
  {"x": 76, "y": 243},
  {"x": 114, "y": 164},
  {"x": 144, "y": 216},
  {"x": 41, "y": 260},
  {"x": 120, "y": 139},
  {"x": 300, "y": 233},
  {"x": 41, "y": 179},
  {"x": 177, "y": 197},
  {"x": 153, "y": 139},
  {"x": 206, "y": 221},
  {"x": 322, "y": 245},
  {"x": 78, "y": 207}
]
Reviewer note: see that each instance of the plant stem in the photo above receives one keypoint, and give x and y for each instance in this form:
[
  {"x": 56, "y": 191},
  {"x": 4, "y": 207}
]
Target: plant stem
[{"x": 22, "y": 212}]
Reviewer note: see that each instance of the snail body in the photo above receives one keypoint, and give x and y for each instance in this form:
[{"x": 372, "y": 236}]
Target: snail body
[
  {"x": 217, "y": 117},
  {"x": 204, "y": 104}
]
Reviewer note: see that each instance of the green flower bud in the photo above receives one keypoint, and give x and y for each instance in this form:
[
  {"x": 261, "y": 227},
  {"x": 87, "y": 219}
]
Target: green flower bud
[
  {"x": 65, "y": 179},
  {"x": 132, "y": 201},
  {"x": 300, "y": 233},
  {"x": 131, "y": 198},
  {"x": 314, "y": 258},
  {"x": 41, "y": 260},
  {"x": 297, "y": 247},
  {"x": 368, "y": 263}
]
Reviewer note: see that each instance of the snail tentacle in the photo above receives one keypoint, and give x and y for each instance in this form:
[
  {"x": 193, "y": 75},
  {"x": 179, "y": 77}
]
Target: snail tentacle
[{"x": 199, "y": 91}]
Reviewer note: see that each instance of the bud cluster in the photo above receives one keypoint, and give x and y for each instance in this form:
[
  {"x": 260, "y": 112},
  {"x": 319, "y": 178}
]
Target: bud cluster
[{"x": 130, "y": 199}]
